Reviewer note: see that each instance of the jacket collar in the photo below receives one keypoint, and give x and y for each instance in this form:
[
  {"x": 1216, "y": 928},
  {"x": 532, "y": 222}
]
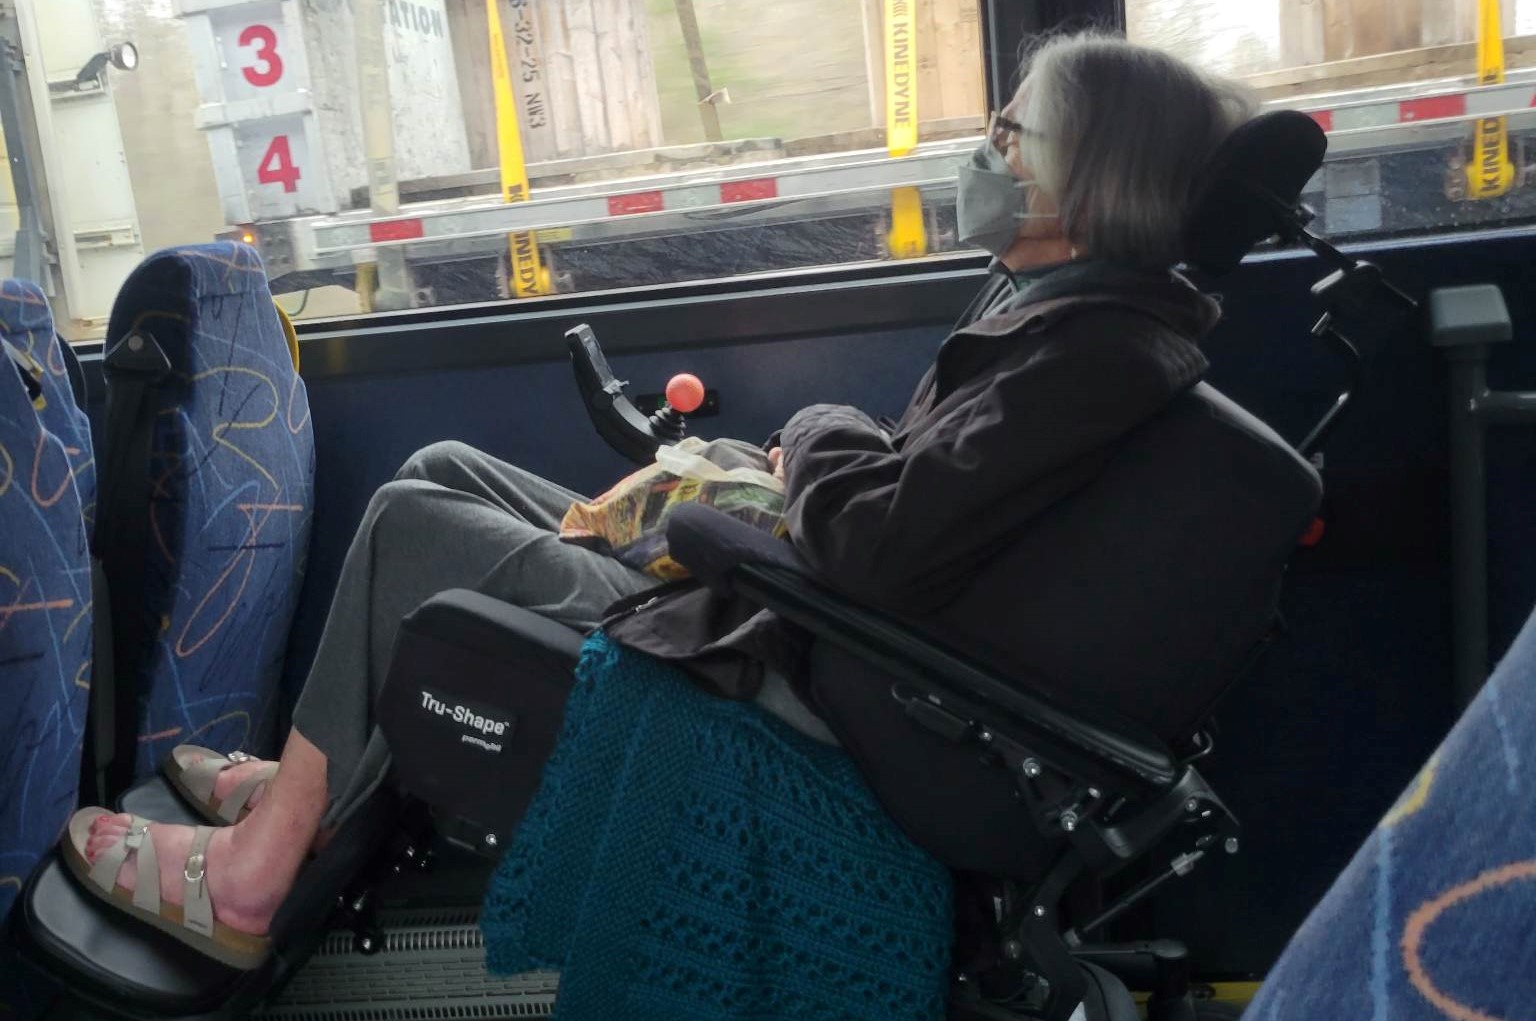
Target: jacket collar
[{"x": 1165, "y": 295}]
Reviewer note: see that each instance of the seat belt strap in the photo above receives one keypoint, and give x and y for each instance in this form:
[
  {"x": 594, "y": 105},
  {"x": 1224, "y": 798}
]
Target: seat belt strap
[
  {"x": 77, "y": 381},
  {"x": 135, "y": 367}
]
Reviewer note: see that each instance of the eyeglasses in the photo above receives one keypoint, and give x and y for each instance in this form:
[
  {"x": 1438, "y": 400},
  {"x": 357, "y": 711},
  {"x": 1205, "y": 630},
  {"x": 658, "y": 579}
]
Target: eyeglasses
[{"x": 1003, "y": 133}]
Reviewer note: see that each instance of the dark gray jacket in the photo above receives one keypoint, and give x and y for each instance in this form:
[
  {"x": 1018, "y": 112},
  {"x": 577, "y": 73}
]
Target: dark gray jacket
[{"x": 1021, "y": 408}]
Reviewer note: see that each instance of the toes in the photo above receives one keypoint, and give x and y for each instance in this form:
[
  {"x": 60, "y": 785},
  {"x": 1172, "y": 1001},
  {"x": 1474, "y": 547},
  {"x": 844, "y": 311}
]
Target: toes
[
  {"x": 106, "y": 830},
  {"x": 108, "y": 826}
]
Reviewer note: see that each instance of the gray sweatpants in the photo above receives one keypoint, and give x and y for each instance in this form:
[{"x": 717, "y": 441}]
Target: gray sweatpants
[{"x": 453, "y": 518}]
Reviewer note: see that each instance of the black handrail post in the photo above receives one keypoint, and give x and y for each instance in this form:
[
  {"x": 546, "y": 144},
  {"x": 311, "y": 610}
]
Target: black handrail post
[{"x": 1466, "y": 321}]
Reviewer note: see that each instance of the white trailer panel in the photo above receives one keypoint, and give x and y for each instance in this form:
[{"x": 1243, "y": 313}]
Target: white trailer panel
[{"x": 279, "y": 87}]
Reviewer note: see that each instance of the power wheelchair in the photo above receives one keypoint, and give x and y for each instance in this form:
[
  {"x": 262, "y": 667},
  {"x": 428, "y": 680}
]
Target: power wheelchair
[{"x": 1001, "y": 773}]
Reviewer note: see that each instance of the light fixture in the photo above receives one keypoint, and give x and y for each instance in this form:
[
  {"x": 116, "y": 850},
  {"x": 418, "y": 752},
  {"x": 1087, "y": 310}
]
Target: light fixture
[{"x": 124, "y": 56}]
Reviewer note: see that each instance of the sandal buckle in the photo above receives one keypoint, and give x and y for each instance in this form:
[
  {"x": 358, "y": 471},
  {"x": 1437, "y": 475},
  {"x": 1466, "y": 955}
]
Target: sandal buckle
[
  {"x": 135, "y": 838},
  {"x": 198, "y": 862},
  {"x": 238, "y": 758}
]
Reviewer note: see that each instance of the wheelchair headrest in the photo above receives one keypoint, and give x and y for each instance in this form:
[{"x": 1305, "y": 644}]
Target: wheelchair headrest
[{"x": 1252, "y": 189}]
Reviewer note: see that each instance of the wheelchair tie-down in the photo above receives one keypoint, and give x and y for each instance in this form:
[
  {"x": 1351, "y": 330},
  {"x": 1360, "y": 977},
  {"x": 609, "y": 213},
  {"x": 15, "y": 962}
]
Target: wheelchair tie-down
[{"x": 1032, "y": 799}]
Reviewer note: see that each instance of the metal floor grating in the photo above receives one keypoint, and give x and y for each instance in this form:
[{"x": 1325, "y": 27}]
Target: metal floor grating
[{"x": 432, "y": 968}]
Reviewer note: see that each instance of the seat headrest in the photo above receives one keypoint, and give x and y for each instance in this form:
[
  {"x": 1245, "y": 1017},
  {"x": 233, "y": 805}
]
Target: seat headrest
[{"x": 1255, "y": 176}]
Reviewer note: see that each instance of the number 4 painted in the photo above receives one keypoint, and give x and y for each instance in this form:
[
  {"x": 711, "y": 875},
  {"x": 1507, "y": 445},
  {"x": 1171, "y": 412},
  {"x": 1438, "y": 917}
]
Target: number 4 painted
[{"x": 277, "y": 166}]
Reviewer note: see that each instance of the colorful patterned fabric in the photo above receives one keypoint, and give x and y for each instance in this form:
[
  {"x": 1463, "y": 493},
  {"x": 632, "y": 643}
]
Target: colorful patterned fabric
[
  {"x": 1435, "y": 918},
  {"x": 690, "y": 858},
  {"x": 232, "y": 471},
  {"x": 630, "y": 520},
  {"x": 45, "y": 591}
]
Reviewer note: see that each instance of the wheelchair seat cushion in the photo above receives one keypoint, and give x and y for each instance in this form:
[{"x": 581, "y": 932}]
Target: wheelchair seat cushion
[{"x": 690, "y": 857}]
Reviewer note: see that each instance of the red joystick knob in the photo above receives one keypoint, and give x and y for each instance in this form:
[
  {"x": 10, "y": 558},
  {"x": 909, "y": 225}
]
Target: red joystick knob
[{"x": 685, "y": 392}]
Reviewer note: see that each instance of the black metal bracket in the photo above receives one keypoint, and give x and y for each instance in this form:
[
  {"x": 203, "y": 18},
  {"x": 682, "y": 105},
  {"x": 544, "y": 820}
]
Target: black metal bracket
[{"x": 1352, "y": 290}]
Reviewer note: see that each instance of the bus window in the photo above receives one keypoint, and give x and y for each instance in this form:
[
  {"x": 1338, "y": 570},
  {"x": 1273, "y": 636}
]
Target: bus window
[
  {"x": 1428, "y": 106},
  {"x": 416, "y": 153}
]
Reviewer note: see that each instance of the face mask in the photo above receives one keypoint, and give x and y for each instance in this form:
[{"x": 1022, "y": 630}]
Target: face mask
[{"x": 992, "y": 202}]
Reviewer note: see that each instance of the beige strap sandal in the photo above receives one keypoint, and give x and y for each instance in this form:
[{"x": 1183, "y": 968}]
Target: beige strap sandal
[
  {"x": 193, "y": 771},
  {"x": 190, "y": 922}
]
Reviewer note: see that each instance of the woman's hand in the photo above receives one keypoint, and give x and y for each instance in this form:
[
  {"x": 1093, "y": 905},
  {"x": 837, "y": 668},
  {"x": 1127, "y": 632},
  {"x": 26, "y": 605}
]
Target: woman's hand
[{"x": 776, "y": 461}]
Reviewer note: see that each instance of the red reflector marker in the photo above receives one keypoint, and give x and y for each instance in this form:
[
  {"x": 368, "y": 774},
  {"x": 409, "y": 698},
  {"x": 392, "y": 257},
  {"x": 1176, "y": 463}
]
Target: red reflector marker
[
  {"x": 1324, "y": 119},
  {"x": 637, "y": 202},
  {"x": 396, "y": 230},
  {"x": 1314, "y": 533},
  {"x": 1431, "y": 108},
  {"x": 747, "y": 191}
]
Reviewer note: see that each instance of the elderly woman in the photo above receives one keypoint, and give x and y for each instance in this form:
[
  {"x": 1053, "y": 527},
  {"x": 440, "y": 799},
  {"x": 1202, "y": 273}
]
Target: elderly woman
[{"x": 1080, "y": 191}]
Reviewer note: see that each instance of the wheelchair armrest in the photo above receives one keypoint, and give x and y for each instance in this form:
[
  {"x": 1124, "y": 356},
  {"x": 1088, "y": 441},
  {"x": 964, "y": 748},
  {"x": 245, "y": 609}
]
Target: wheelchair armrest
[
  {"x": 471, "y": 709},
  {"x": 729, "y": 555},
  {"x": 712, "y": 544}
]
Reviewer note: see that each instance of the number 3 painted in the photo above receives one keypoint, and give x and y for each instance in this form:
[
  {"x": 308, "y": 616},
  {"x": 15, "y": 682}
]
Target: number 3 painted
[{"x": 268, "y": 69}]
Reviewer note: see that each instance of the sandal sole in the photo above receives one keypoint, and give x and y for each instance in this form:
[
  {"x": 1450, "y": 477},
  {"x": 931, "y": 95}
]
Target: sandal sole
[{"x": 239, "y": 950}]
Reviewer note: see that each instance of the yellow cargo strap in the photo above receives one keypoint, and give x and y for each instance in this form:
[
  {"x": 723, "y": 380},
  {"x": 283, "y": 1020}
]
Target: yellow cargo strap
[
  {"x": 900, "y": 77},
  {"x": 529, "y": 277},
  {"x": 1490, "y": 175},
  {"x": 908, "y": 238},
  {"x": 289, "y": 332}
]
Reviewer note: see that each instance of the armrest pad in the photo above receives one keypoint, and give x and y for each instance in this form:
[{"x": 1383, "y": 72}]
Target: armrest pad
[
  {"x": 464, "y": 617},
  {"x": 712, "y": 544}
]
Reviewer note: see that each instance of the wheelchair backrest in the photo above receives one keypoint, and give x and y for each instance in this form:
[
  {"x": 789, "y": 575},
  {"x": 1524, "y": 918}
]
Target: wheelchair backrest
[
  {"x": 1138, "y": 597},
  {"x": 45, "y": 586},
  {"x": 1146, "y": 591},
  {"x": 230, "y": 479}
]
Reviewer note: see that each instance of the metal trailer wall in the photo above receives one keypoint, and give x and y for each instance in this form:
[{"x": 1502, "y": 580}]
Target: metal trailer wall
[
  {"x": 430, "y": 138},
  {"x": 281, "y": 100}
]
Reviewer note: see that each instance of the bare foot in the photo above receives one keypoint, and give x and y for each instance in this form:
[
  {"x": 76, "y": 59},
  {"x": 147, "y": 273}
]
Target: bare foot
[
  {"x": 238, "y": 884},
  {"x": 225, "y": 783}
]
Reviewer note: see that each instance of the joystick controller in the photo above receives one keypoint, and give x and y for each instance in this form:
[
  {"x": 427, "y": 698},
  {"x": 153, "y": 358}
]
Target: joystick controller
[{"x": 618, "y": 421}]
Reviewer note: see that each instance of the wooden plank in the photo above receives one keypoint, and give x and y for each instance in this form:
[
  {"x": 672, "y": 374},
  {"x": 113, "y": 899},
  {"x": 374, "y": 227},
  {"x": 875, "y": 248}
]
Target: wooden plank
[
  {"x": 872, "y": 13},
  {"x": 1301, "y": 33},
  {"x": 581, "y": 27},
  {"x": 525, "y": 59},
  {"x": 1447, "y": 21},
  {"x": 645, "y": 63},
  {"x": 1405, "y": 26},
  {"x": 560, "y": 64},
  {"x": 958, "y": 52},
  {"x": 472, "y": 60},
  {"x": 609, "y": 71},
  {"x": 925, "y": 32},
  {"x": 1427, "y": 64},
  {"x": 635, "y": 134}
]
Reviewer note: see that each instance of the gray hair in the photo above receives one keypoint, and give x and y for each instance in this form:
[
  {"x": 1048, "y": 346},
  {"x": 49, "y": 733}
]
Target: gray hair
[{"x": 1117, "y": 136}]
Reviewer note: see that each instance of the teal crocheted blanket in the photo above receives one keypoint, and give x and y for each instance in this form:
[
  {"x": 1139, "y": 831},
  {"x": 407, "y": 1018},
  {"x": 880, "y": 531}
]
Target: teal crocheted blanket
[{"x": 688, "y": 857}]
